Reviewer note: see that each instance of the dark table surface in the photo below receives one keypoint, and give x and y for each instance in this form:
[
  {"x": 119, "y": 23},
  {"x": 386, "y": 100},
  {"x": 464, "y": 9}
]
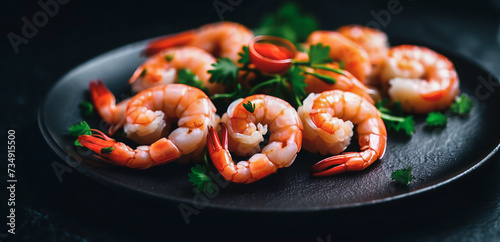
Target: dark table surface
[{"x": 76, "y": 208}]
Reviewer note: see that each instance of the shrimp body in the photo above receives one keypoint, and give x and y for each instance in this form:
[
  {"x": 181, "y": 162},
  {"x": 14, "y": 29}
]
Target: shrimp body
[
  {"x": 421, "y": 79},
  {"x": 373, "y": 41},
  {"x": 242, "y": 131},
  {"x": 355, "y": 59},
  {"x": 162, "y": 68},
  {"x": 329, "y": 118},
  {"x": 223, "y": 39},
  {"x": 148, "y": 118}
]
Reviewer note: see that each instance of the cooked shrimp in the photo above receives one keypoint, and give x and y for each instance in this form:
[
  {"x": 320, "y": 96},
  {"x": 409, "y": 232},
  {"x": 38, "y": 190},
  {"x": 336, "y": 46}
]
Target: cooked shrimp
[
  {"x": 373, "y": 41},
  {"x": 223, "y": 39},
  {"x": 329, "y": 118},
  {"x": 105, "y": 103},
  {"x": 421, "y": 79},
  {"x": 147, "y": 117},
  {"x": 355, "y": 58},
  {"x": 162, "y": 68},
  {"x": 245, "y": 131}
]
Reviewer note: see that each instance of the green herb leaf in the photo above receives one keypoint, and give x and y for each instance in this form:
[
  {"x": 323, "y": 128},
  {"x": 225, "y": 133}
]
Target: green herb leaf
[
  {"x": 244, "y": 56},
  {"x": 402, "y": 176},
  {"x": 86, "y": 107},
  {"x": 169, "y": 57},
  {"x": 324, "y": 78},
  {"x": 462, "y": 105},
  {"x": 236, "y": 94},
  {"x": 319, "y": 54},
  {"x": 289, "y": 23},
  {"x": 185, "y": 76},
  {"x": 143, "y": 73},
  {"x": 225, "y": 71},
  {"x": 297, "y": 83},
  {"x": 436, "y": 119},
  {"x": 78, "y": 129},
  {"x": 249, "y": 106},
  {"x": 393, "y": 118},
  {"x": 341, "y": 64},
  {"x": 107, "y": 150},
  {"x": 200, "y": 179}
]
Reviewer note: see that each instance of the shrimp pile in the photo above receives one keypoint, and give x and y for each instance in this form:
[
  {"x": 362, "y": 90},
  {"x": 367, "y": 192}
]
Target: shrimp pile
[
  {"x": 242, "y": 132},
  {"x": 147, "y": 120}
]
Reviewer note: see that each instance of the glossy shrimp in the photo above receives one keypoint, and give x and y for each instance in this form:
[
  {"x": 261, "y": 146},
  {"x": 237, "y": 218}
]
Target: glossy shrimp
[
  {"x": 162, "y": 68},
  {"x": 148, "y": 117},
  {"x": 355, "y": 59},
  {"x": 224, "y": 39},
  {"x": 373, "y": 41},
  {"x": 329, "y": 118},
  {"x": 242, "y": 131},
  {"x": 421, "y": 79}
]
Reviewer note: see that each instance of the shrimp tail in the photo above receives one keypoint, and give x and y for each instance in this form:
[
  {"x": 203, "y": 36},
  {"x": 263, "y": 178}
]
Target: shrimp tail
[
  {"x": 170, "y": 41},
  {"x": 350, "y": 161},
  {"x": 102, "y": 97},
  {"x": 96, "y": 143},
  {"x": 218, "y": 148}
]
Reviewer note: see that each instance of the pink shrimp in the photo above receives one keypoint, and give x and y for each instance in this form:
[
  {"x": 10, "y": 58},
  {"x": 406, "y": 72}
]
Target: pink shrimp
[
  {"x": 421, "y": 79},
  {"x": 147, "y": 122},
  {"x": 328, "y": 120},
  {"x": 224, "y": 39},
  {"x": 245, "y": 131}
]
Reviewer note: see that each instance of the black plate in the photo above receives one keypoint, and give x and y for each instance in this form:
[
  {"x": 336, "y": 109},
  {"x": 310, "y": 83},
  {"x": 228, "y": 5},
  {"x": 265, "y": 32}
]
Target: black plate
[{"x": 438, "y": 156}]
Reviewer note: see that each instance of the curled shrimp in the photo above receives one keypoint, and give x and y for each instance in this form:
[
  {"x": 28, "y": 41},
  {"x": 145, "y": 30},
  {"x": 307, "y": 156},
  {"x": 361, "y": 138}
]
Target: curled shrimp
[
  {"x": 345, "y": 81},
  {"x": 328, "y": 120},
  {"x": 421, "y": 79},
  {"x": 223, "y": 39},
  {"x": 373, "y": 41},
  {"x": 147, "y": 122},
  {"x": 355, "y": 59},
  {"x": 162, "y": 68},
  {"x": 242, "y": 131}
]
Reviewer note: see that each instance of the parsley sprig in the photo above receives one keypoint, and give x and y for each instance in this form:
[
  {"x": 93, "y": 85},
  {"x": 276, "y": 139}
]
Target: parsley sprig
[
  {"x": 199, "y": 176},
  {"x": 462, "y": 105},
  {"x": 393, "y": 117},
  {"x": 402, "y": 176},
  {"x": 81, "y": 128}
]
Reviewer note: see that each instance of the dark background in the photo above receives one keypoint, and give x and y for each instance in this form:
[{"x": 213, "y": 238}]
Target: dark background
[{"x": 79, "y": 209}]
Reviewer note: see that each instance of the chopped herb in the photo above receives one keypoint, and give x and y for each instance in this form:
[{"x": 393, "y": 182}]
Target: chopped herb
[
  {"x": 143, "y": 73},
  {"x": 107, "y": 150},
  {"x": 402, "y": 176},
  {"x": 81, "y": 128},
  {"x": 436, "y": 119},
  {"x": 392, "y": 120},
  {"x": 225, "y": 71},
  {"x": 297, "y": 84},
  {"x": 289, "y": 23},
  {"x": 86, "y": 107},
  {"x": 169, "y": 57},
  {"x": 244, "y": 56},
  {"x": 200, "y": 178},
  {"x": 185, "y": 76},
  {"x": 341, "y": 64},
  {"x": 249, "y": 106},
  {"x": 319, "y": 54},
  {"x": 236, "y": 94},
  {"x": 462, "y": 105}
]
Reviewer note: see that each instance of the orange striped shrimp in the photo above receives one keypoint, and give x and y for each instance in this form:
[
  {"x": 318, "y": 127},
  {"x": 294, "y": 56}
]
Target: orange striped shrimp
[
  {"x": 223, "y": 39},
  {"x": 328, "y": 120},
  {"x": 162, "y": 68},
  {"x": 242, "y": 131},
  {"x": 373, "y": 41},
  {"x": 421, "y": 79},
  {"x": 355, "y": 58},
  {"x": 147, "y": 122}
]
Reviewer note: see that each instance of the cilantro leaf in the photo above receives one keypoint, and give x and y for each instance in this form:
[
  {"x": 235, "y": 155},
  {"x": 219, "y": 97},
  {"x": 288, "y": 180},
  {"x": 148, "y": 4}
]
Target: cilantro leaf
[
  {"x": 199, "y": 177},
  {"x": 249, "y": 106},
  {"x": 436, "y": 119},
  {"x": 393, "y": 118},
  {"x": 244, "y": 56},
  {"x": 289, "y": 23},
  {"x": 86, "y": 107},
  {"x": 107, "y": 150},
  {"x": 341, "y": 64},
  {"x": 462, "y": 105},
  {"x": 319, "y": 54},
  {"x": 237, "y": 93},
  {"x": 78, "y": 129},
  {"x": 187, "y": 77},
  {"x": 297, "y": 83},
  {"x": 402, "y": 176},
  {"x": 225, "y": 71}
]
